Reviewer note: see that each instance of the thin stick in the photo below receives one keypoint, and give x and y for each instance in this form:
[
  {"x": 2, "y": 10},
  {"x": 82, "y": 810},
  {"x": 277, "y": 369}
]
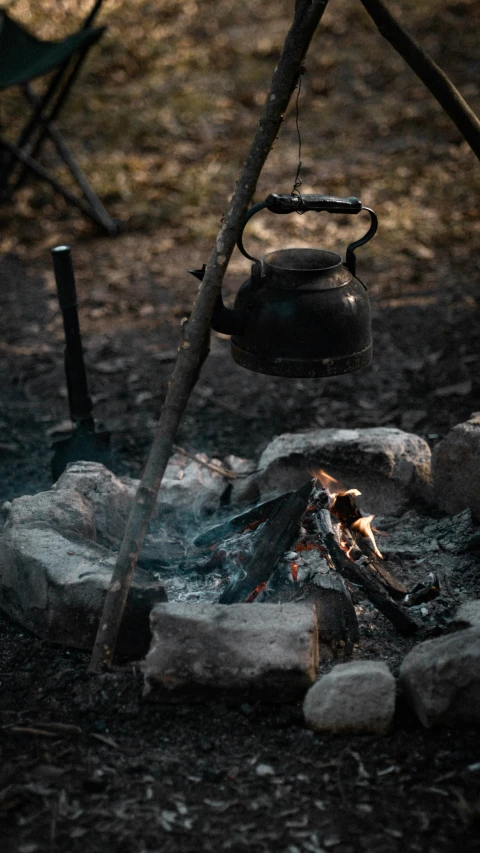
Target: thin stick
[
  {"x": 428, "y": 71},
  {"x": 211, "y": 465},
  {"x": 194, "y": 347}
]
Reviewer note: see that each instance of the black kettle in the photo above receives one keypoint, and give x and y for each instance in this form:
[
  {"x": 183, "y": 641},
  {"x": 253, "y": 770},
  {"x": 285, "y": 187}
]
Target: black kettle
[{"x": 302, "y": 312}]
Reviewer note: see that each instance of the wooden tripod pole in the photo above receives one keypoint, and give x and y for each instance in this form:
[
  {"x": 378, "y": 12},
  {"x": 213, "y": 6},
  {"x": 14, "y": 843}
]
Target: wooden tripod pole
[
  {"x": 194, "y": 346},
  {"x": 428, "y": 71}
]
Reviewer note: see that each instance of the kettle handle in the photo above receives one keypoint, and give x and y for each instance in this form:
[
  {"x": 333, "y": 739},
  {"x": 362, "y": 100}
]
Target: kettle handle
[{"x": 285, "y": 203}]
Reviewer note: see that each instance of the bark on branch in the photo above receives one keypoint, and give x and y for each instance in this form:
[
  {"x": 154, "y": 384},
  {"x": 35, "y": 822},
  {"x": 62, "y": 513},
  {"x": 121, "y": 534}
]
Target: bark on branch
[
  {"x": 196, "y": 332},
  {"x": 428, "y": 71}
]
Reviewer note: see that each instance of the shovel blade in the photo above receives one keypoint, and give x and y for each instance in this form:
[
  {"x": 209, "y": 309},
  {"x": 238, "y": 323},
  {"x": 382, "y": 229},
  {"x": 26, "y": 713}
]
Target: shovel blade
[{"x": 83, "y": 445}]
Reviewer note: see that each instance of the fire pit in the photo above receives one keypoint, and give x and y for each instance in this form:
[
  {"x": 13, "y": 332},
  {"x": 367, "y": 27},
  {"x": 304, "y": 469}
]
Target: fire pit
[{"x": 245, "y": 599}]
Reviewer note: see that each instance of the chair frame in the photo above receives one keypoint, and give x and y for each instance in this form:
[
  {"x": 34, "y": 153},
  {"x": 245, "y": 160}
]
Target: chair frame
[{"x": 42, "y": 125}]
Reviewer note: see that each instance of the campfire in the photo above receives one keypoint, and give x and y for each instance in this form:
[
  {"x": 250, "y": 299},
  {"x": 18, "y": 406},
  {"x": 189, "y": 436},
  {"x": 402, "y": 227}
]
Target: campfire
[
  {"x": 295, "y": 546},
  {"x": 248, "y": 605}
]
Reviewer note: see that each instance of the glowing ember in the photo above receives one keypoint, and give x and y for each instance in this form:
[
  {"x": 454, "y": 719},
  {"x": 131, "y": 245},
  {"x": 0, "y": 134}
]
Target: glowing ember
[
  {"x": 310, "y": 546},
  {"x": 294, "y": 567},
  {"x": 258, "y": 589},
  {"x": 254, "y": 524}
]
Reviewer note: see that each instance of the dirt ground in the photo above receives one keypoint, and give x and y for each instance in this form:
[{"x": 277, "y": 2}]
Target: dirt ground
[{"x": 86, "y": 762}]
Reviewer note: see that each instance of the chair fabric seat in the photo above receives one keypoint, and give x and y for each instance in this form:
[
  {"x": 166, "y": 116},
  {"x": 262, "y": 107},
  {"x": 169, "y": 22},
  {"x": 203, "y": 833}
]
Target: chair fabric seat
[{"x": 24, "y": 57}]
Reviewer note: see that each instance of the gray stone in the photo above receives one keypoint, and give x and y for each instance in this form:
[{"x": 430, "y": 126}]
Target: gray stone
[
  {"x": 110, "y": 497},
  {"x": 356, "y": 698},
  {"x": 389, "y": 466},
  {"x": 54, "y": 585},
  {"x": 441, "y": 679},
  {"x": 67, "y": 511},
  {"x": 468, "y": 614},
  {"x": 198, "y": 650},
  {"x": 187, "y": 488},
  {"x": 191, "y": 487},
  {"x": 456, "y": 469}
]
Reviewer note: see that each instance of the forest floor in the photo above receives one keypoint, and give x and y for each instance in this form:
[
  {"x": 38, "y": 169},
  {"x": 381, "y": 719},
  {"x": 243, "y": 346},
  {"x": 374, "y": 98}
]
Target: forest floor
[{"x": 161, "y": 120}]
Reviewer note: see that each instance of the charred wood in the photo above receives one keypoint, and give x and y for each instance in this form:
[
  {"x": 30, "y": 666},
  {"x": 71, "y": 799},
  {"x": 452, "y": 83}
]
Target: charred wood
[
  {"x": 279, "y": 533},
  {"x": 344, "y": 507},
  {"x": 337, "y": 620},
  {"x": 248, "y": 519},
  {"x": 423, "y": 592},
  {"x": 346, "y": 510},
  {"x": 362, "y": 576},
  {"x": 394, "y": 587}
]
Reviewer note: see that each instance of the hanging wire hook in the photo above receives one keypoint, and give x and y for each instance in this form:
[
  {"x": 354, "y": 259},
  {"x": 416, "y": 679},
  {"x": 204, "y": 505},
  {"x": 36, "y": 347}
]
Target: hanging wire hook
[{"x": 298, "y": 181}]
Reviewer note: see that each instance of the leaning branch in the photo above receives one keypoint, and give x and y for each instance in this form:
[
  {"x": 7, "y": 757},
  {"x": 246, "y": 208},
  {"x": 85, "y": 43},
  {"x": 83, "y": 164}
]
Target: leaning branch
[
  {"x": 194, "y": 346},
  {"x": 428, "y": 71}
]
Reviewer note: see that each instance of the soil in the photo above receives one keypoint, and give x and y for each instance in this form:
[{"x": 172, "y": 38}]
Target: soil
[{"x": 87, "y": 763}]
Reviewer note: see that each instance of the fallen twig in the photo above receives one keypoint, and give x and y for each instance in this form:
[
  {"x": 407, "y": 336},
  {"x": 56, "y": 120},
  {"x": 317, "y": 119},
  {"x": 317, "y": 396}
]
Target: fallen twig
[
  {"x": 31, "y": 730},
  {"x": 211, "y": 465}
]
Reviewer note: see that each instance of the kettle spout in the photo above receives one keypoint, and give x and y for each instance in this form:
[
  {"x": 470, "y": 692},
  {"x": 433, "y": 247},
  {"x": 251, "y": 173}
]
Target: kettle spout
[
  {"x": 200, "y": 274},
  {"x": 227, "y": 321}
]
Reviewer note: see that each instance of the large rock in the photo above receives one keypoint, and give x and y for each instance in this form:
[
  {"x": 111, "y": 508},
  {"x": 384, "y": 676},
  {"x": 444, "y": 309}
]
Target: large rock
[
  {"x": 468, "y": 614},
  {"x": 187, "y": 488},
  {"x": 441, "y": 679},
  {"x": 194, "y": 488},
  {"x": 267, "y": 651},
  {"x": 67, "y": 511},
  {"x": 354, "y": 698},
  {"x": 110, "y": 497},
  {"x": 54, "y": 585},
  {"x": 390, "y": 467},
  {"x": 456, "y": 469}
]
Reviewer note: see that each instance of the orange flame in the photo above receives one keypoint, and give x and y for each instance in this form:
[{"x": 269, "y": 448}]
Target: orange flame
[
  {"x": 294, "y": 567},
  {"x": 331, "y": 485},
  {"x": 363, "y": 525},
  {"x": 335, "y": 488}
]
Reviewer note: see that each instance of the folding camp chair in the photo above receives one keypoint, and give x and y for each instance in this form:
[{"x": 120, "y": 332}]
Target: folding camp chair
[{"x": 22, "y": 59}]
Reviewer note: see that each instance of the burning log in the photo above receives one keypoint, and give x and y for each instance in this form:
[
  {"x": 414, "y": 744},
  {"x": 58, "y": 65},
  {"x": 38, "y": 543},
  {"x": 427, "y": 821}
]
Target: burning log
[
  {"x": 359, "y": 574},
  {"x": 361, "y": 545},
  {"x": 357, "y": 533},
  {"x": 278, "y": 535}
]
